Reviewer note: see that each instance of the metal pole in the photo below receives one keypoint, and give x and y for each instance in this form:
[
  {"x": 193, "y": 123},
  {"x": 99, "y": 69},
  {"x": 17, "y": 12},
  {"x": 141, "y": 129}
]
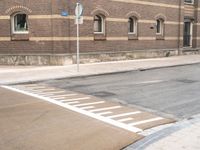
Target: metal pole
[
  {"x": 78, "y": 46},
  {"x": 179, "y": 26}
]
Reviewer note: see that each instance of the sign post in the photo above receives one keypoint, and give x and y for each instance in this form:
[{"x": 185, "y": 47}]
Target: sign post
[{"x": 78, "y": 13}]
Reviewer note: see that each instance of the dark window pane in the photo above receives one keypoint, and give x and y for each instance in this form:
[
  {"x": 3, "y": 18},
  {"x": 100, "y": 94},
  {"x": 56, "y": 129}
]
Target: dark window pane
[
  {"x": 98, "y": 22},
  {"x": 131, "y": 25},
  {"x": 158, "y": 26},
  {"x": 20, "y": 22}
]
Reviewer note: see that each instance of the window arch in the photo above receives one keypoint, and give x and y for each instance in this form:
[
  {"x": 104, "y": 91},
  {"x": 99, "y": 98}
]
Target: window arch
[
  {"x": 160, "y": 26},
  {"x": 132, "y": 25},
  {"x": 99, "y": 24},
  {"x": 19, "y": 23}
]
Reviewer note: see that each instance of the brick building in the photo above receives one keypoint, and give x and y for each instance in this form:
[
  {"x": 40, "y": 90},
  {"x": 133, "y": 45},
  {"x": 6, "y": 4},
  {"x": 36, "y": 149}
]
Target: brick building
[{"x": 34, "y": 32}]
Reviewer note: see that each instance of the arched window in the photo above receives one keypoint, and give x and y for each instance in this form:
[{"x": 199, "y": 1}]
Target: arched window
[
  {"x": 19, "y": 23},
  {"x": 159, "y": 26},
  {"x": 99, "y": 24},
  {"x": 132, "y": 25}
]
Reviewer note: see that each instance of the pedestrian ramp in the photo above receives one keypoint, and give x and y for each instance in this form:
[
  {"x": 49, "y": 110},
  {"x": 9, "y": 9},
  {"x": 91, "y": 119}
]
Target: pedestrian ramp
[{"x": 131, "y": 119}]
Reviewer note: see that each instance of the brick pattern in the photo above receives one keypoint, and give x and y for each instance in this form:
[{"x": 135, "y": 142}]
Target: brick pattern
[{"x": 65, "y": 27}]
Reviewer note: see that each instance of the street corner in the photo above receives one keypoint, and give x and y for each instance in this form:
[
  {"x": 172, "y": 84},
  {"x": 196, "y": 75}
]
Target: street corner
[{"x": 114, "y": 125}]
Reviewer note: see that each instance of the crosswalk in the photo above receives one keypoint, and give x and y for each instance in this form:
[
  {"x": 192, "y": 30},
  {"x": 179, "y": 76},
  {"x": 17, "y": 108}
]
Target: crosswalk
[{"x": 130, "y": 119}]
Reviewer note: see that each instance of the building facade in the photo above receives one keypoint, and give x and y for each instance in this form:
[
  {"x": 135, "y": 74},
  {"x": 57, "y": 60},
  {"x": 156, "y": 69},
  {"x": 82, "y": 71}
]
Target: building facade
[{"x": 34, "y": 32}]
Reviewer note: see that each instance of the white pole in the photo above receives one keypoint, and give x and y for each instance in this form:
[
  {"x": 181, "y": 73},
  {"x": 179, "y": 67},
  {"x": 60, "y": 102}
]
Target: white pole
[{"x": 78, "y": 46}]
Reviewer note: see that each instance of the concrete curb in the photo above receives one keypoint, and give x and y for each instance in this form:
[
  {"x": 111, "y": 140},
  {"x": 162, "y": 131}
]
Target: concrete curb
[
  {"x": 155, "y": 137},
  {"x": 96, "y": 74}
]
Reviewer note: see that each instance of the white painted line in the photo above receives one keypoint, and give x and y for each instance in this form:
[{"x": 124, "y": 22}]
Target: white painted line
[
  {"x": 105, "y": 113},
  {"x": 43, "y": 94},
  {"x": 87, "y": 104},
  {"x": 75, "y": 99},
  {"x": 63, "y": 96},
  {"x": 39, "y": 87},
  {"x": 76, "y": 102},
  {"x": 43, "y": 90},
  {"x": 87, "y": 113},
  {"x": 88, "y": 107},
  {"x": 106, "y": 108},
  {"x": 33, "y": 85},
  {"x": 125, "y": 119},
  {"x": 145, "y": 121},
  {"x": 124, "y": 114},
  {"x": 47, "y": 93},
  {"x": 56, "y": 92},
  {"x": 148, "y": 82}
]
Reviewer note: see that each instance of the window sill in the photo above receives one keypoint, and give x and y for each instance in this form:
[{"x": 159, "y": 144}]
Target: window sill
[
  {"x": 132, "y": 36},
  {"x": 189, "y": 3},
  {"x": 160, "y": 37},
  {"x": 20, "y": 37},
  {"x": 99, "y": 37}
]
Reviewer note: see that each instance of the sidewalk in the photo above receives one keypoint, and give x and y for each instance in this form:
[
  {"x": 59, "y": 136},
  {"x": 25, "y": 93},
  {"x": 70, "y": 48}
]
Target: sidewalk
[
  {"x": 183, "y": 135},
  {"x": 20, "y": 74}
]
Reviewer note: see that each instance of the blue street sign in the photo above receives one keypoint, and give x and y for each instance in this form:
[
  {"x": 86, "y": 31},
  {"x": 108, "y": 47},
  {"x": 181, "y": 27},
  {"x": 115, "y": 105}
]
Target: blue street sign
[{"x": 64, "y": 13}]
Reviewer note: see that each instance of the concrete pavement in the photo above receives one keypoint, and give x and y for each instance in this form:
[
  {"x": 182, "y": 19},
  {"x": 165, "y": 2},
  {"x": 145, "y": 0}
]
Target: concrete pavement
[
  {"x": 20, "y": 74},
  {"x": 183, "y": 135}
]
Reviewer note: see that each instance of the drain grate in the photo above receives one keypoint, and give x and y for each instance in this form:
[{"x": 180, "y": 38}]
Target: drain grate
[{"x": 103, "y": 94}]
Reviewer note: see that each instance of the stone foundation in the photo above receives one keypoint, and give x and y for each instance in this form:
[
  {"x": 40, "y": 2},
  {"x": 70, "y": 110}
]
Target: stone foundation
[
  {"x": 117, "y": 56},
  {"x": 35, "y": 60},
  {"x": 62, "y": 59}
]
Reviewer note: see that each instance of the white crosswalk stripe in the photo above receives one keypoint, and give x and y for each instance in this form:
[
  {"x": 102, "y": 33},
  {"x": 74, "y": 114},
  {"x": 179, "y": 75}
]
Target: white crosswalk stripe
[
  {"x": 145, "y": 121},
  {"x": 125, "y": 119},
  {"x": 107, "y": 108},
  {"x": 75, "y": 99},
  {"x": 70, "y": 103},
  {"x": 86, "y": 104},
  {"x": 62, "y": 96},
  {"x": 105, "y": 113},
  {"x": 124, "y": 114},
  {"x": 88, "y": 107}
]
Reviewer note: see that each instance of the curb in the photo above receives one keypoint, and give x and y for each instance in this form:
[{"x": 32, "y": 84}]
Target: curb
[
  {"x": 98, "y": 74},
  {"x": 155, "y": 137}
]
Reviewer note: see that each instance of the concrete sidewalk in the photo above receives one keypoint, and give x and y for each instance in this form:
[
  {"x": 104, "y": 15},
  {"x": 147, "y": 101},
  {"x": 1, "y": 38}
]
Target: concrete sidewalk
[
  {"x": 20, "y": 74},
  {"x": 183, "y": 135}
]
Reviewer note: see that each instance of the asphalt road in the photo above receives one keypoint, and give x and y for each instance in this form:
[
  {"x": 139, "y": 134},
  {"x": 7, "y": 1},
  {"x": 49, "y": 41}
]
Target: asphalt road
[{"x": 168, "y": 91}]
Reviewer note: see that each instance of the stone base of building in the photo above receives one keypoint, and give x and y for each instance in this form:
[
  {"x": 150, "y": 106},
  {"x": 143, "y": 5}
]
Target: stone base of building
[
  {"x": 35, "y": 60},
  {"x": 124, "y": 55},
  {"x": 63, "y": 59}
]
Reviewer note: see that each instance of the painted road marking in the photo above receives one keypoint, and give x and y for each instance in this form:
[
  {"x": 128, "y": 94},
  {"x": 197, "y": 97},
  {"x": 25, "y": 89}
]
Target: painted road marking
[
  {"x": 43, "y": 90},
  {"x": 76, "y": 102},
  {"x": 75, "y": 99},
  {"x": 40, "y": 87},
  {"x": 79, "y": 103},
  {"x": 105, "y": 113},
  {"x": 33, "y": 85},
  {"x": 88, "y": 107},
  {"x": 145, "y": 121},
  {"x": 55, "y": 92},
  {"x": 78, "y": 110},
  {"x": 149, "y": 82},
  {"x": 62, "y": 96},
  {"x": 86, "y": 104},
  {"x": 125, "y": 119},
  {"x": 107, "y": 108},
  {"x": 124, "y": 114}
]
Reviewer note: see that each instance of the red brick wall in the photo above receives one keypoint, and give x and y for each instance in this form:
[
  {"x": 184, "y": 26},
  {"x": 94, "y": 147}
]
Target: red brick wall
[{"x": 59, "y": 27}]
